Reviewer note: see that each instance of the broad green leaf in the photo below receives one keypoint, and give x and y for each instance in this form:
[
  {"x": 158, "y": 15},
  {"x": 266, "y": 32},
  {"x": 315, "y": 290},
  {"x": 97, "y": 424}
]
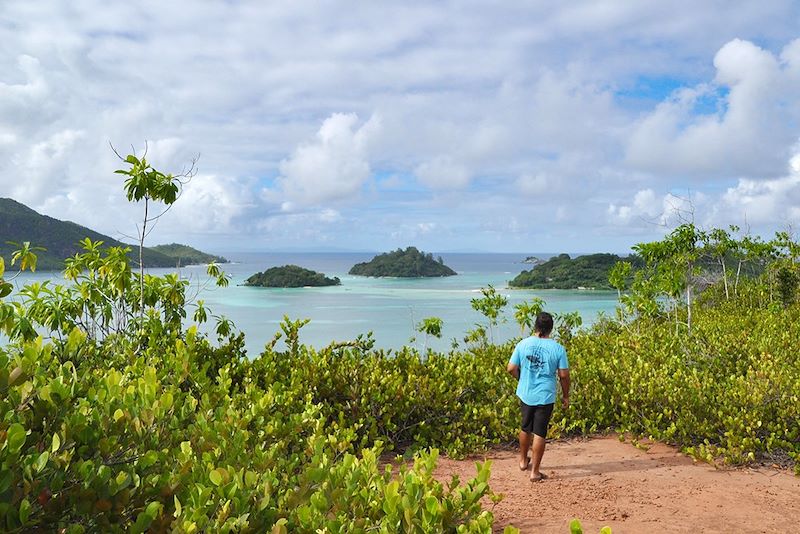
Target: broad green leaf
[
  {"x": 6, "y": 475},
  {"x": 280, "y": 526},
  {"x": 41, "y": 461},
  {"x": 216, "y": 477},
  {"x": 24, "y": 511},
  {"x": 56, "y": 442},
  {"x": 16, "y": 437}
]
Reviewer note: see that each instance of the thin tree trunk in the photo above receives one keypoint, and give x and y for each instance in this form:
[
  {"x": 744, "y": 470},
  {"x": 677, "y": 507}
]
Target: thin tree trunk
[
  {"x": 725, "y": 278},
  {"x": 736, "y": 284},
  {"x": 141, "y": 262}
]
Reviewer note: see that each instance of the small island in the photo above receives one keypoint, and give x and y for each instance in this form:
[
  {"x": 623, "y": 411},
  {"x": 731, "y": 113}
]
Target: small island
[
  {"x": 408, "y": 263},
  {"x": 533, "y": 260},
  {"x": 291, "y": 276},
  {"x": 563, "y": 272}
]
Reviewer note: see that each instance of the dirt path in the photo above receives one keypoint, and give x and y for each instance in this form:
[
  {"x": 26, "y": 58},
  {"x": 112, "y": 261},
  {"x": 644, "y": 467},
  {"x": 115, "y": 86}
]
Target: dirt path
[{"x": 602, "y": 482}]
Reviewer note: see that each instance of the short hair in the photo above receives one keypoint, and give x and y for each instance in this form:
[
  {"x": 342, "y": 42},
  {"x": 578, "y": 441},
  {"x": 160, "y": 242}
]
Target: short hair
[{"x": 544, "y": 323}]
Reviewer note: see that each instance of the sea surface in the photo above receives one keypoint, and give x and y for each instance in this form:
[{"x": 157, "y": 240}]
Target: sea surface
[{"x": 388, "y": 307}]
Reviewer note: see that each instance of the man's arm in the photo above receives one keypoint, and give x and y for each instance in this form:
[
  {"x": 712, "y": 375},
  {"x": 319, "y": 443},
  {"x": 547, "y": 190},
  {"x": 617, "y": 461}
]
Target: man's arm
[
  {"x": 563, "y": 378},
  {"x": 513, "y": 370}
]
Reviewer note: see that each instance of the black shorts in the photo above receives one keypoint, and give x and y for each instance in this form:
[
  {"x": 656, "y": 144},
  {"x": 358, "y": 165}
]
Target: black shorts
[{"x": 536, "y": 419}]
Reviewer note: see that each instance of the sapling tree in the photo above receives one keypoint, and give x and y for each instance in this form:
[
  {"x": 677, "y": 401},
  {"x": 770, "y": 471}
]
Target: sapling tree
[
  {"x": 430, "y": 326},
  {"x": 721, "y": 246},
  {"x": 148, "y": 185},
  {"x": 566, "y": 323},
  {"x": 525, "y": 313},
  {"x": 490, "y": 306},
  {"x": 672, "y": 262},
  {"x": 619, "y": 277}
]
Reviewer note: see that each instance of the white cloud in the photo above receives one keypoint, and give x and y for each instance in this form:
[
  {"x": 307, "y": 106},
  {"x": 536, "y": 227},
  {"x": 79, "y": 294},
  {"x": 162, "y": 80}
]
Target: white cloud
[
  {"x": 531, "y": 184},
  {"x": 36, "y": 169},
  {"x": 210, "y": 204},
  {"x": 442, "y": 172},
  {"x": 533, "y": 112},
  {"x": 333, "y": 166},
  {"x": 750, "y": 134},
  {"x": 765, "y": 201}
]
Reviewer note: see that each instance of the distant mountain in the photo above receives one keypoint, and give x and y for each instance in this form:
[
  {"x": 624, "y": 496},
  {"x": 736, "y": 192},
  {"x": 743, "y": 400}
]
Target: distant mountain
[
  {"x": 60, "y": 239},
  {"x": 408, "y": 263}
]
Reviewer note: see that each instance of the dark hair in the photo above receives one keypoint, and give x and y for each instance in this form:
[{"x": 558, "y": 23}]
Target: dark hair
[{"x": 544, "y": 323}]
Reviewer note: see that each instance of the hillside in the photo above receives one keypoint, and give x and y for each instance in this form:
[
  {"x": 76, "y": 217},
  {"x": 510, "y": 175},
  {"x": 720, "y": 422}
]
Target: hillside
[
  {"x": 291, "y": 276},
  {"x": 564, "y": 272},
  {"x": 187, "y": 255},
  {"x": 60, "y": 239},
  {"x": 408, "y": 263}
]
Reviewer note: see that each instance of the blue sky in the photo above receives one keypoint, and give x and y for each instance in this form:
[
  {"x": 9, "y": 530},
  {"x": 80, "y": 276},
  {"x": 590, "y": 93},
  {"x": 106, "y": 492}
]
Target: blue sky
[{"x": 584, "y": 126}]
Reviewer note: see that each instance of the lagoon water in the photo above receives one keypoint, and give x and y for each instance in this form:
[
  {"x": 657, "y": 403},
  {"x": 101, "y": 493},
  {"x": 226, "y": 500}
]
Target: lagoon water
[{"x": 388, "y": 307}]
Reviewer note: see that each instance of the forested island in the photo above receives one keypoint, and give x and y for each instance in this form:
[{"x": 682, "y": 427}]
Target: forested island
[
  {"x": 291, "y": 276},
  {"x": 564, "y": 272},
  {"x": 408, "y": 263},
  {"x": 57, "y": 240}
]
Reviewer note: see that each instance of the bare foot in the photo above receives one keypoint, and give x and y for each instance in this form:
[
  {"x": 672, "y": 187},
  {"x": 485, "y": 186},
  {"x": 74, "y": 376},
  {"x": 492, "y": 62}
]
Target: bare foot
[
  {"x": 526, "y": 465},
  {"x": 538, "y": 477}
]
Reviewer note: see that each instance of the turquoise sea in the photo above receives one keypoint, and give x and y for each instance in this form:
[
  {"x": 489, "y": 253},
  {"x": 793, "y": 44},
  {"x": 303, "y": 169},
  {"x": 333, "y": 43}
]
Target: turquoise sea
[{"x": 388, "y": 307}]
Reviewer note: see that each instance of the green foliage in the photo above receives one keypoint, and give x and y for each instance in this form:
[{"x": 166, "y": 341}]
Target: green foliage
[
  {"x": 430, "y": 326},
  {"x": 525, "y": 313},
  {"x": 106, "y": 433},
  {"x": 619, "y": 276},
  {"x": 566, "y": 323},
  {"x": 408, "y": 263},
  {"x": 291, "y": 276},
  {"x": 575, "y": 527},
  {"x": 563, "y": 272},
  {"x": 144, "y": 182},
  {"x": 726, "y": 393},
  {"x": 490, "y": 305}
]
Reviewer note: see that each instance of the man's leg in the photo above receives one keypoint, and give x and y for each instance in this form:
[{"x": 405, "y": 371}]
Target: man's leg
[
  {"x": 540, "y": 423},
  {"x": 524, "y": 445},
  {"x": 538, "y": 451}
]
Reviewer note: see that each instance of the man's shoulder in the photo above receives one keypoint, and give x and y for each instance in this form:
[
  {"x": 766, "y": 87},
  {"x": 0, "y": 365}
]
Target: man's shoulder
[{"x": 554, "y": 345}]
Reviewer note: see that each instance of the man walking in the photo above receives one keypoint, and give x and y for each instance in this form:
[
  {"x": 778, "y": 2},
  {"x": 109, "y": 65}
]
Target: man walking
[{"x": 535, "y": 363}]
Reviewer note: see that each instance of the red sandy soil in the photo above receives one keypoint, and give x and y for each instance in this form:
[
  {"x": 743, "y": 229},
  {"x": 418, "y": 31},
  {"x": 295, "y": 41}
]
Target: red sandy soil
[{"x": 602, "y": 481}]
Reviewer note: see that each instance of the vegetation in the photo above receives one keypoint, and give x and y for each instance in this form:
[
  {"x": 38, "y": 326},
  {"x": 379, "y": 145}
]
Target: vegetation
[
  {"x": 186, "y": 255},
  {"x": 58, "y": 240},
  {"x": 116, "y": 416},
  {"x": 291, "y": 276},
  {"x": 563, "y": 272},
  {"x": 408, "y": 263},
  {"x": 490, "y": 305},
  {"x": 430, "y": 326}
]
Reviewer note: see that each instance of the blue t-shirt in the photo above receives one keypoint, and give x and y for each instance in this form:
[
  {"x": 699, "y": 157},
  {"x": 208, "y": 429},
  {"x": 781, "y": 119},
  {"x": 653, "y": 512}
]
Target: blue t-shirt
[{"x": 538, "y": 360}]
